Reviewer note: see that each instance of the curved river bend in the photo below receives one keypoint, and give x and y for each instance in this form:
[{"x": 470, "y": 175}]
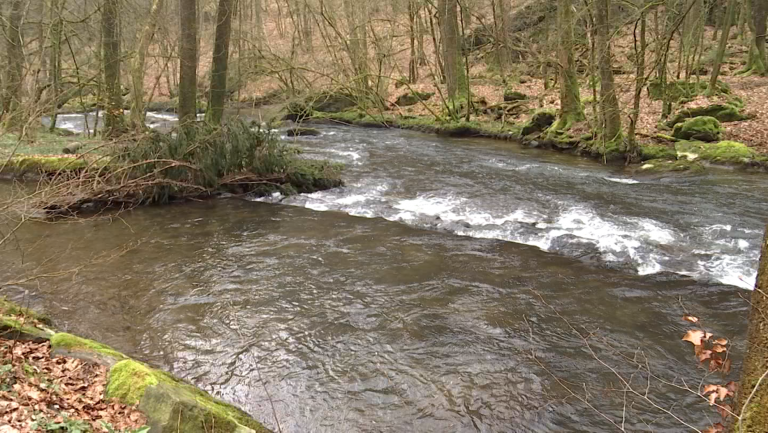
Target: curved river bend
[{"x": 421, "y": 316}]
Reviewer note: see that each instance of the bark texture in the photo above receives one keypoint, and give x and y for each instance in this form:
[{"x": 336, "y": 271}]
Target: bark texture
[
  {"x": 455, "y": 78},
  {"x": 220, "y": 62},
  {"x": 570, "y": 98},
  {"x": 610, "y": 115},
  {"x": 13, "y": 78},
  {"x": 752, "y": 400},
  {"x": 113, "y": 109},
  {"x": 188, "y": 61},
  {"x": 137, "y": 67}
]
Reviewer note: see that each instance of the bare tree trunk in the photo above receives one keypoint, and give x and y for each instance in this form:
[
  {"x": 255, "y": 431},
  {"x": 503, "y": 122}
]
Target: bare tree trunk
[
  {"x": 357, "y": 18},
  {"x": 13, "y": 78},
  {"x": 609, "y": 104},
  {"x": 413, "y": 68},
  {"x": 455, "y": 76},
  {"x": 188, "y": 61},
  {"x": 752, "y": 400},
  {"x": 720, "y": 55},
  {"x": 137, "y": 68},
  {"x": 633, "y": 150},
  {"x": 570, "y": 99},
  {"x": 500, "y": 33},
  {"x": 259, "y": 22},
  {"x": 758, "y": 12},
  {"x": 220, "y": 61},
  {"x": 113, "y": 110},
  {"x": 57, "y": 7}
]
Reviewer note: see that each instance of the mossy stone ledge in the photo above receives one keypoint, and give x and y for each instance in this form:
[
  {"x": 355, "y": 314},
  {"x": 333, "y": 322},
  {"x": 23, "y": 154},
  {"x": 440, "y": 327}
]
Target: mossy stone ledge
[
  {"x": 702, "y": 128},
  {"x": 170, "y": 404}
]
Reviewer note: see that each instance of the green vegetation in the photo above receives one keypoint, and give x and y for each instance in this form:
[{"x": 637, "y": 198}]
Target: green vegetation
[
  {"x": 702, "y": 128},
  {"x": 721, "y": 112},
  {"x": 724, "y": 152},
  {"x": 657, "y": 152},
  {"x": 679, "y": 91},
  {"x": 73, "y": 343}
]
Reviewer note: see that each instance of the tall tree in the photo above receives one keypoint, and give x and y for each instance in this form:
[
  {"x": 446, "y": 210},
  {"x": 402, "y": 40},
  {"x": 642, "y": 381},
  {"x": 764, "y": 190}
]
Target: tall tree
[
  {"x": 137, "y": 66},
  {"x": 610, "y": 115},
  {"x": 455, "y": 77},
  {"x": 57, "y": 24},
  {"x": 13, "y": 79},
  {"x": 357, "y": 19},
  {"x": 720, "y": 54},
  {"x": 758, "y": 11},
  {"x": 113, "y": 110},
  {"x": 570, "y": 98},
  {"x": 187, "y": 61},
  {"x": 220, "y": 62},
  {"x": 640, "y": 47},
  {"x": 752, "y": 400}
]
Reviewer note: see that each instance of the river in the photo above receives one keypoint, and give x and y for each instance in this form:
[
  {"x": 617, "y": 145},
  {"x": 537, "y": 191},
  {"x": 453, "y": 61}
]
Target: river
[{"x": 435, "y": 292}]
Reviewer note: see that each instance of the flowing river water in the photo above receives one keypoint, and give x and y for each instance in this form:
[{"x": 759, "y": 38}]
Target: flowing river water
[{"x": 436, "y": 292}]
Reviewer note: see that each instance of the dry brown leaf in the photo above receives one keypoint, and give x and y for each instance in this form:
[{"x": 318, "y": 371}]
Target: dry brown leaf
[
  {"x": 692, "y": 319},
  {"x": 718, "y": 348},
  {"x": 721, "y": 341},
  {"x": 694, "y": 336}
]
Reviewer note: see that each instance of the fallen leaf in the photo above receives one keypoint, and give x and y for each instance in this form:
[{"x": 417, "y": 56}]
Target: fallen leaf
[
  {"x": 722, "y": 392},
  {"x": 712, "y": 398},
  {"x": 718, "y": 348},
  {"x": 694, "y": 336},
  {"x": 709, "y": 388},
  {"x": 705, "y": 355},
  {"x": 692, "y": 319},
  {"x": 721, "y": 341}
]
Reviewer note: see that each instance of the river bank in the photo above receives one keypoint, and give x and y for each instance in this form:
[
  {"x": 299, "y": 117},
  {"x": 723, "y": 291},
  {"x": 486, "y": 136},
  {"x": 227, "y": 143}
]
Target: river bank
[{"x": 57, "y": 380}]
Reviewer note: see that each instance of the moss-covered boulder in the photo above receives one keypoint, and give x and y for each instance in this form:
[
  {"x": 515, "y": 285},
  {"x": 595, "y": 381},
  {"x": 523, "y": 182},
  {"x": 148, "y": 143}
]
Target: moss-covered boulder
[
  {"x": 172, "y": 405},
  {"x": 702, "y": 128},
  {"x": 16, "y": 329},
  {"x": 64, "y": 344},
  {"x": 664, "y": 165},
  {"x": 514, "y": 95},
  {"x": 413, "y": 98},
  {"x": 721, "y": 112},
  {"x": 540, "y": 121},
  {"x": 724, "y": 152},
  {"x": 20, "y": 166},
  {"x": 677, "y": 91},
  {"x": 649, "y": 152}
]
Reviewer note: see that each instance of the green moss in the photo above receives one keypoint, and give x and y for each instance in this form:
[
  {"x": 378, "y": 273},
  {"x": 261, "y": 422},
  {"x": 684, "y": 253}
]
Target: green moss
[
  {"x": 9, "y": 308},
  {"x": 721, "y": 112},
  {"x": 724, "y": 152},
  {"x": 541, "y": 120},
  {"x": 678, "y": 91},
  {"x": 44, "y": 164},
  {"x": 15, "y": 329},
  {"x": 704, "y": 128},
  {"x": 663, "y": 165},
  {"x": 307, "y": 176},
  {"x": 129, "y": 381},
  {"x": 657, "y": 152},
  {"x": 73, "y": 343}
]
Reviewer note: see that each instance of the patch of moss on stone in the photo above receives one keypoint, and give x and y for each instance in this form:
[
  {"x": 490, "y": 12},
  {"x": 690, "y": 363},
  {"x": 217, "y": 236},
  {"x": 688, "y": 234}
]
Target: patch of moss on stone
[
  {"x": 17, "y": 330},
  {"x": 657, "y": 152},
  {"x": 724, "y": 152},
  {"x": 44, "y": 164},
  {"x": 721, "y": 112},
  {"x": 170, "y": 403},
  {"x": 664, "y": 165},
  {"x": 541, "y": 120},
  {"x": 703, "y": 128},
  {"x": 9, "y": 308},
  {"x": 73, "y": 343}
]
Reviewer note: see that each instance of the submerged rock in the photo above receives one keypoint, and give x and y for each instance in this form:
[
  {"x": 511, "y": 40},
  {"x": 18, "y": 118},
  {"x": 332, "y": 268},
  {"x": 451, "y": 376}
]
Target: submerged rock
[{"x": 299, "y": 131}]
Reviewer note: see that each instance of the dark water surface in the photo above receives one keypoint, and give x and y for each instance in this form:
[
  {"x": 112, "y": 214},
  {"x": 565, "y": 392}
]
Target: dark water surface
[{"x": 422, "y": 316}]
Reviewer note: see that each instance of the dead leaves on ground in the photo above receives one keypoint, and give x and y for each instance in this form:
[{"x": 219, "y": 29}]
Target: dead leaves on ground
[{"x": 33, "y": 385}]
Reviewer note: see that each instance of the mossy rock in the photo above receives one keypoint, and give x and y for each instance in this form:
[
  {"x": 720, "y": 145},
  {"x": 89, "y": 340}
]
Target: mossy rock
[
  {"x": 540, "y": 121},
  {"x": 513, "y": 95},
  {"x": 664, "y": 165},
  {"x": 9, "y": 308},
  {"x": 64, "y": 344},
  {"x": 721, "y": 112},
  {"x": 301, "y": 131},
  {"x": 14, "y": 329},
  {"x": 702, "y": 128},
  {"x": 43, "y": 164},
  {"x": 678, "y": 91},
  {"x": 163, "y": 106},
  {"x": 724, "y": 152},
  {"x": 171, "y": 405},
  {"x": 657, "y": 152},
  {"x": 331, "y": 102},
  {"x": 413, "y": 98},
  {"x": 610, "y": 151}
]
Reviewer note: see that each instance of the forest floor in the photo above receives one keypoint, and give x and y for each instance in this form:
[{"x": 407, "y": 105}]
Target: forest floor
[{"x": 41, "y": 393}]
